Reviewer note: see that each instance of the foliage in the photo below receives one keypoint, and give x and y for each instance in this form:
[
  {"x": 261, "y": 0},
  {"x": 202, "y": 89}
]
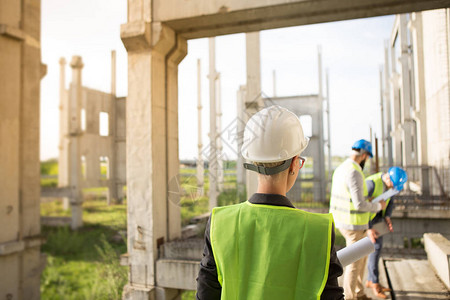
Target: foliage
[
  {"x": 49, "y": 167},
  {"x": 84, "y": 264}
]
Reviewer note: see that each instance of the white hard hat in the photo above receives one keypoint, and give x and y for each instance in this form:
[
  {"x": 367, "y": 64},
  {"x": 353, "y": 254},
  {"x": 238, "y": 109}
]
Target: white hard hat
[{"x": 273, "y": 134}]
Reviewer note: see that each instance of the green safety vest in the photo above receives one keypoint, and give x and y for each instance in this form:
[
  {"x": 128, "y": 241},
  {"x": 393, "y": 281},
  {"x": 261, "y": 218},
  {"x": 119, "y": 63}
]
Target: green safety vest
[
  {"x": 378, "y": 190},
  {"x": 266, "y": 252},
  {"x": 341, "y": 206}
]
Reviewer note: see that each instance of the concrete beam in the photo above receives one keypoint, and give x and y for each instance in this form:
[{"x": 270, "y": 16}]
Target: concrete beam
[
  {"x": 205, "y": 18},
  {"x": 438, "y": 253},
  {"x": 177, "y": 274},
  {"x": 61, "y": 192}
]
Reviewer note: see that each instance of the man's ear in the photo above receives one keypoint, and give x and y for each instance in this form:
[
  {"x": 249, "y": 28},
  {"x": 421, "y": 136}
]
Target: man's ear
[{"x": 293, "y": 162}]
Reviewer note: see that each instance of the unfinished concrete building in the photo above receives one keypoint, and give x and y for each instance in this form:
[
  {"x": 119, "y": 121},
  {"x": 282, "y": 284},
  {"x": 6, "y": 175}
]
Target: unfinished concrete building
[
  {"x": 311, "y": 106},
  {"x": 92, "y": 139},
  {"x": 155, "y": 38},
  {"x": 21, "y": 71},
  {"x": 416, "y": 102}
]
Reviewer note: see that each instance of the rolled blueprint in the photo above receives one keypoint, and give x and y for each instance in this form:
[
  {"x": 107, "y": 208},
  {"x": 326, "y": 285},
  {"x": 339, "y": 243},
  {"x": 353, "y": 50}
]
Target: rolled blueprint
[
  {"x": 355, "y": 251},
  {"x": 386, "y": 195}
]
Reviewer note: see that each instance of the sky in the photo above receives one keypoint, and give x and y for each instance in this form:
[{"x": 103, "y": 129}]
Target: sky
[{"x": 352, "y": 54}]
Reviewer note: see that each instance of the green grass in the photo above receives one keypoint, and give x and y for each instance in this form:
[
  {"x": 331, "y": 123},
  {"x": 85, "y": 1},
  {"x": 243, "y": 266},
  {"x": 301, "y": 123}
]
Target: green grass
[
  {"x": 49, "y": 168},
  {"x": 84, "y": 264}
]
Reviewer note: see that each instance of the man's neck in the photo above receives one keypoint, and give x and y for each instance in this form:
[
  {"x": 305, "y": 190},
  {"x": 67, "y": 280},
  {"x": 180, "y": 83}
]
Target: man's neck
[{"x": 265, "y": 187}]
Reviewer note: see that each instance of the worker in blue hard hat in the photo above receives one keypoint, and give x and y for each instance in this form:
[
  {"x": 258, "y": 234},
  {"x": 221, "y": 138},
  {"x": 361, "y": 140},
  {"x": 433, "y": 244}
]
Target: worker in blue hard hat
[
  {"x": 351, "y": 211},
  {"x": 377, "y": 184}
]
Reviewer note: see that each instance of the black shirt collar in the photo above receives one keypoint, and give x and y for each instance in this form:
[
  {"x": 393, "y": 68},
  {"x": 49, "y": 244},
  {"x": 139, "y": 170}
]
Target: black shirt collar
[{"x": 270, "y": 199}]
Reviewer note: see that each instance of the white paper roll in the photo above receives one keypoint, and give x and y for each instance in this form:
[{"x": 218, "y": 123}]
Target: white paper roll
[
  {"x": 355, "y": 251},
  {"x": 386, "y": 195}
]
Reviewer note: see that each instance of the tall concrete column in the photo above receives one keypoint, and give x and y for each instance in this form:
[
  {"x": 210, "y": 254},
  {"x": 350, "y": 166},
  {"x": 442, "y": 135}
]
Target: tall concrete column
[
  {"x": 387, "y": 97},
  {"x": 383, "y": 149},
  {"x": 220, "y": 171},
  {"x": 330, "y": 167},
  {"x": 112, "y": 180},
  {"x": 63, "y": 158},
  {"x": 154, "y": 52},
  {"x": 74, "y": 125},
  {"x": 200, "y": 166},
  {"x": 274, "y": 81},
  {"x": 318, "y": 133},
  {"x": 213, "y": 164},
  {"x": 395, "y": 85},
  {"x": 240, "y": 171},
  {"x": 408, "y": 131},
  {"x": 20, "y": 74},
  {"x": 420, "y": 109},
  {"x": 253, "y": 100}
]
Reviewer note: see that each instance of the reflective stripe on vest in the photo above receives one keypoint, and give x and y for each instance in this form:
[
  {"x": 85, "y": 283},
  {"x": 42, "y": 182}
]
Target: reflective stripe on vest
[
  {"x": 265, "y": 252},
  {"x": 341, "y": 206},
  {"x": 378, "y": 189}
]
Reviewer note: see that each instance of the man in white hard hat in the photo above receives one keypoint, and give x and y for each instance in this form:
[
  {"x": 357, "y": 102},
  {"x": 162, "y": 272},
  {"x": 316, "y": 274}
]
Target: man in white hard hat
[
  {"x": 265, "y": 248},
  {"x": 351, "y": 212}
]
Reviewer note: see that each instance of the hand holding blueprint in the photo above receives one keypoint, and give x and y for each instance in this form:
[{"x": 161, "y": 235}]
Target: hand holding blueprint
[{"x": 386, "y": 195}]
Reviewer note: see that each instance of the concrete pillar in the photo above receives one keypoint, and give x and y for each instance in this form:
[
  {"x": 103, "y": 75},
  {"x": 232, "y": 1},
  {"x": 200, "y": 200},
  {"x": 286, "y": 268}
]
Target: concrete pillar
[
  {"x": 274, "y": 79},
  {"x": 240, "y": 171},
  {"x": 318, "y": 131},
  {"x": 219, "y": 138},
  {"x": 112, "y": 180},
  {"x": 74, "y": 125},
  {"x": 63, "y": 159},
  {"x": 395, "y": 86},
  {"x": 330, "y": 167},
  {"x": 253, "y": 100},
  {"x": 200, "y": 166},
  {"x": 213, "y": 164},
  {"x": 20, "y": 75},
  {"x": 383, "y": 149},
  {"x": 154, "y": 52},
  {"x": 420, "y": 107},
  {"x": 408, "y": 131},
  {"x": 120, "y": 147},
  {"x": 387, "y": 97}
]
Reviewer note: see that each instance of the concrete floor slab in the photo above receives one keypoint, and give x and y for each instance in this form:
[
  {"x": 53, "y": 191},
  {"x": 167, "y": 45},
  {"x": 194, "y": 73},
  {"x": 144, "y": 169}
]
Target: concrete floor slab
[{"x": 415, "y": 279}]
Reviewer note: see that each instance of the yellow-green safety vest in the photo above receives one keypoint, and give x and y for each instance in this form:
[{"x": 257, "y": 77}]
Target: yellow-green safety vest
[
  {"x": 265, "y": 252},
  {"x": 378, "y": 190},
  {"x": 341, "y": 206}
]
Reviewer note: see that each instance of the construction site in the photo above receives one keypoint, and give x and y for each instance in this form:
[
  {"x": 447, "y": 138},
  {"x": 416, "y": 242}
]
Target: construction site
[{"x": 125, "y": 150}]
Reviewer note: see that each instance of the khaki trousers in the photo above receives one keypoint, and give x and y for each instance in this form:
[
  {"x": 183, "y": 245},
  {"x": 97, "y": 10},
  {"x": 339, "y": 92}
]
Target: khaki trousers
[{"x": 353, "y": 273}]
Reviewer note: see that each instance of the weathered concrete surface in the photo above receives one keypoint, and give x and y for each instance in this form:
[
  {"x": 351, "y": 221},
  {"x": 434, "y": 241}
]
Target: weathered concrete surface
[
  {"x": 20, "y": 74},
  {"x": 177, "y": 274},
  {"x": 414, "y": 279},
  {"x": 195, "y": 19},
  {"x": 438, "y": 253},
  {"x": 437, "y": 88},
  {"x": 56, "y": 221},
  {"x": 190, "y": 249},
  {"x": 413, "y": 224},
  {"x": 152, "y": 141}
]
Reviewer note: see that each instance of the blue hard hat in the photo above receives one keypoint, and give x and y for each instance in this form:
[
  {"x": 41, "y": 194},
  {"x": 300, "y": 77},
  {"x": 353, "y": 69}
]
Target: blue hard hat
[
  {"x": 398, "y": 177},
  {"x": 364, "y": 145}
]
